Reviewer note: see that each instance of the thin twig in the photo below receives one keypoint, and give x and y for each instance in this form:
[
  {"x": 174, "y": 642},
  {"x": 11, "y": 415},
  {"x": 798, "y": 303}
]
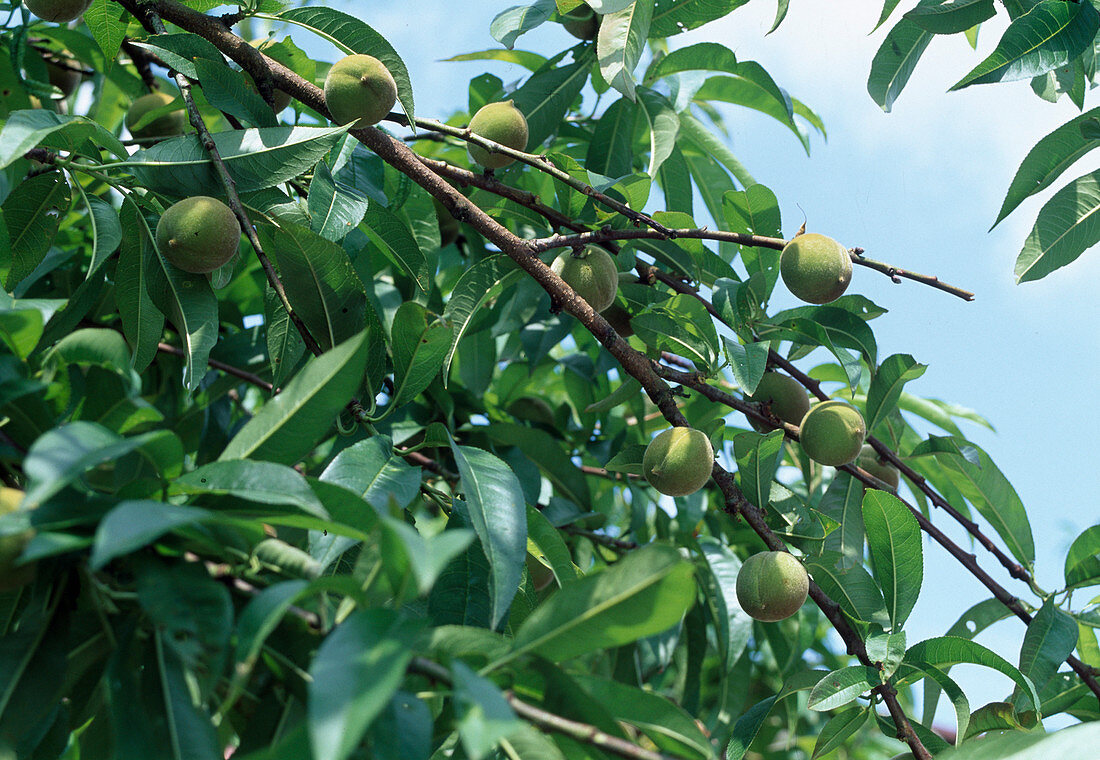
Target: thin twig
[{"x": 228, "y": 369}]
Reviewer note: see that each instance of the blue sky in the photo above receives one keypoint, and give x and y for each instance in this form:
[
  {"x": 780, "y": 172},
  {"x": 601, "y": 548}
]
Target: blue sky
[{"x": 918, "y": 187}]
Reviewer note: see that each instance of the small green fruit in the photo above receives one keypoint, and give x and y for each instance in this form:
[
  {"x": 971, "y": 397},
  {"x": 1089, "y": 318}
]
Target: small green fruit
[
  {"x": 359, "y": 87},
  {"x": 57, "y": 10},
  {"x": 678, "y": 461},
  {"x": 581, "y": 22},
  {"x": 884, "y": 471},
  {"x": 11, "y": 576},
  {"x": 166, "y": 125},
  {"x": 815, "y": 268},
  {"x": 592, "y": 274},
  {"x": 279, "y": 98},
  {"x": 832, "y": 433},
  {"x": 65, "y": 77},
  {"x": 198, "y": 234},
  {"x": 502, "y": 123},
  {"x": 772, "y": 586},
  {"x": 449, "y": 228},
  {"x": 788, "y": 399}
]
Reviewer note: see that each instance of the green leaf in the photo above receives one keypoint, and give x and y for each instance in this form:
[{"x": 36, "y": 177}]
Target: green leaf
[
  {"x": 289, "y": 425},
  {"x": 335, "y": 209},
  {"x": 354, "y": 36},
  {"x": 321, "y": 283},
  {"x": 192, "y": 609},
  {"x": 757, "y": 457},
  {"x": 371, "y": 470},
  {"x": 952, "y": 16},
  {"x": 142, "y": 321},
  {"x": 1047, "y": 37},
  {"x": 747, "y": 727},
  {"x": 1075, "y": 741},
  {"x": 473, "y": 288},
  {"x": 946, "y": 651},
  {"x": 888, "y": 7},
  {"x": 840, "y": 728},
  {"x": 507, "y": 26},
  {"x": 985, "y": 486},
  {"x": 190, "y": 732},
  {"x": 1051, "y": 156},
  {"x": 1051, "y": 637},
  {"x": 21, "y": 329},
  {"x": 498, "y": 513},
  {"x": 620, "y": 42},
  {"x": 646, "y": 592},
  {"x": 843, "y": 502},
  {"x": 754, "y": 88},
  {"x": 548, "y": 95},
  {"x": 255, "y": 159},
  {"x": 27, "y": 129},
  {"x": 484, "y": 715},
  {"x": 894, "y": 538},
  {"x": 525, "y": 58},
  {"x": 105, "y": 22},
  {"x": 419, "y": 346},
  {"x": 356, "y": 671},
  {"x": 132, "y": 525},
  {"x": 673, "y": 17},
  {"x": 263, "y": 482},
  {"x": 546, "y": 451},
  {"x": 852, "y": 588},
  {"x": 1083, "y": 559},
  {"x": 733, "y": 625},
  {"x": 32, "y": 212},
  {"x": 891, "y": 376},
  {"x": 683, "y": 326},
  {"x": 191, "y": 305},
  {"x": 842, "y": 686},
  {"x": 63, "y": 454},
  {"x": 702, "y": 56},
  {"x": 747, "y": 362},
  {"x": 1067, "y": 226},
  {"x": 895, "y": 60},
  {"x": 664, "y": 722}
]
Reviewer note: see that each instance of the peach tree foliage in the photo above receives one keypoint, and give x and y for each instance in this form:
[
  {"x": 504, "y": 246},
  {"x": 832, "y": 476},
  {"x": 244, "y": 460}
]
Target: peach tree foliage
[{"x": 361, "y": 494}]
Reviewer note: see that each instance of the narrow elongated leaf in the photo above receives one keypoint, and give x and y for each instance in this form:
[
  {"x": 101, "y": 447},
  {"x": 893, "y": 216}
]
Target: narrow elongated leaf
[
  {"x": 895, "y": 60},
  {"x": 757, "y": 457},
  {"x": 620, "y": 43},
  {"x": 142, "y": 321},
  {"x": 190, "y": 732},
  {"x": 420, "y": 345},
  {"x": 842, "y": 686},
  {"x": 1048, "y": 36},
  {"x": 548, "y": 94},
  {"x": 946, "y": 651},
  {"x": 335, "y": 209},
  {"x": 358, "y": 667},
  {"x": 1067, "y": 226},
  {"x": 289, "y": 425},
  {"x": 26, "y": 129},
  {"x": 1051, "y": 637},
  {"x": 510, "y": 24},
  {"x": 733, "y": 624},
  {"x": 646, "y": 592},
  {"x": 894, "y": 538},
  {"x": 891, "y": 376},
  {"x": 852, "y": 588},
  {"x": 952, "y": 16},
  {"x": 702, "y": 56},
  {"x": 839, "y": 729},
  {"x": 1075, "y": 741},
  {"x": 475, "y": 285},
  {"x": 499, "y": 516},
  {"x": 1051, "y": 156},
  {"x": 255, "y": 158},
  {"x": 32, "y": 213},
  {"x": 190, "y": 304},
  {"x": 747, "y": 727},
  {"x": 263, "y": 482},
  {"x": 843, "y": 502},
  {"x": 1083, "y": 559},
  {"x": 370, "y": 469},
  {"x": 985, "y": 486},
  {"x": 671, "y": 17},
  {"x": 546, "y": 451},
  {"x": 134, "y": 524}
]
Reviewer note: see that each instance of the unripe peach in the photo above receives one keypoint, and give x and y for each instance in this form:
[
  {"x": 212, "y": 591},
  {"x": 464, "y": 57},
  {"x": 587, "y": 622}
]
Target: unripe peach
[
  {"x": 772, "y": 586},
  {"x": 359, "y": 87},
  {"x": 592, "y": 274},
  {"x": 57, "y": 10},
  {"x": 815, "y": 268},
  {"x": 502, "y": 123},
  {"x": 678, "y": 461},
  {"x": 787, "y": 398},
  {"x": 167, "y": 125},
  {"x": 832, "y": 433},
  {"x": 884, "y": 471},
  {"x": 581, "y": 22},
  {"x": 198, "y": 234}
]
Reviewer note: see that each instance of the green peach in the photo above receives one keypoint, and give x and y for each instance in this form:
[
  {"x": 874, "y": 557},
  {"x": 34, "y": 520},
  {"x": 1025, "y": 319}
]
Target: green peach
[
  {"x": 868, "y": 459},
  {"x": 167, "y": 125},
  {"x": 57, "y": 10},
  {"x": 815, "y": 268},
  {"x": 449, "y": 227},
  {"x": 581, "y": 22},
  {"x": 359, "y": 87},
  {"x": 787, "y": 398},
  {"x": 832, "y": 433},
  {"x": 592, "y": 274},
  {"x": 678, "y": 461},
  {"x": 772, "y": 586},
  {"x": 502, "y": 123},
  {"x": 198, "y": 234}
]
